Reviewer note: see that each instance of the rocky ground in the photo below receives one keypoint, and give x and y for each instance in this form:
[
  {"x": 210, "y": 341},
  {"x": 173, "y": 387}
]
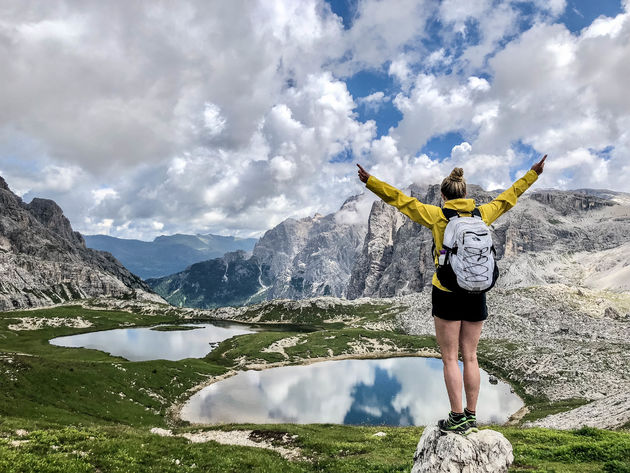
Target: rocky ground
[{"x": 555, "y": 341}]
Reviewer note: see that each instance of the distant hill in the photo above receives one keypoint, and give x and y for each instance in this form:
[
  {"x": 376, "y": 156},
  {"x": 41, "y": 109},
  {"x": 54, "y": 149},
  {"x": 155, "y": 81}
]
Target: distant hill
[{"x": 167, "y": 254}]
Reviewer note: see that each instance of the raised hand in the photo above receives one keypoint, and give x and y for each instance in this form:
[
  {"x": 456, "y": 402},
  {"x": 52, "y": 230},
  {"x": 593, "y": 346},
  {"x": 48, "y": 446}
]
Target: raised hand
[
  {"x": 538, "y": 167},
  {"x": 363, "y": 174}
]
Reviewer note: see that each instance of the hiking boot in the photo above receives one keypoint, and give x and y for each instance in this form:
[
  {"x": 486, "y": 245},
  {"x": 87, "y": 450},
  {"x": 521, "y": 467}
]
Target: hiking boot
[
  {"x": 472, "y": 420},
  {"x": 454, "y": 424}
]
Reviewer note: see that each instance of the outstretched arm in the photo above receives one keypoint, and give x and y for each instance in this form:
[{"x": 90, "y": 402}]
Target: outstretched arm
[
  {"x": 423, "y": 214},
  {"x": 507, "y": 199}
]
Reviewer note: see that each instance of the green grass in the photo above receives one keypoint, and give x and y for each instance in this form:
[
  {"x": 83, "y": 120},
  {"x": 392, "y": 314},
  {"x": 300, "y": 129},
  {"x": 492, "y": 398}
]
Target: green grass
[
  {"x": 52, "y": 384},
  {"x": 583, "y": 450},
  {"x": 329, "y": 447},
  {"x": 85, "y": 410},
  {"x": 544, "y": 408}
]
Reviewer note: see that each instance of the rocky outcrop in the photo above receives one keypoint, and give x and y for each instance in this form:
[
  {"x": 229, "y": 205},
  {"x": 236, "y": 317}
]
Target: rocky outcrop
[
  {"x": 49, "y": 214},
  {"x": 610, "y": 412},
  {"x": 570, "y": 202},
  {"x": 313, "y": 256},
  {"x": 376, "y": 254},
  {"x": 478, "y": 452},
  {"x": 43, "y": 261}
]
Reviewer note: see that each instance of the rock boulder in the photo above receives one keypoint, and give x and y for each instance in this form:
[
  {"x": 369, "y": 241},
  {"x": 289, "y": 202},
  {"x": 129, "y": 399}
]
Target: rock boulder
[{"x": 479, "y": 452}]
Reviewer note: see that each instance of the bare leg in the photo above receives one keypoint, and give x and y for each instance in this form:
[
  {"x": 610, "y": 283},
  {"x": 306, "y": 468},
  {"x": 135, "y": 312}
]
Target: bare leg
[
  {"x": 447, "y": 334},
  {"x": 468, "y": 339}
]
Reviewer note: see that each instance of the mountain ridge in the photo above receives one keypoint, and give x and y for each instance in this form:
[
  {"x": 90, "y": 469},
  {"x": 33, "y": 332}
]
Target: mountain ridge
[{"x": 395, "y": 258}]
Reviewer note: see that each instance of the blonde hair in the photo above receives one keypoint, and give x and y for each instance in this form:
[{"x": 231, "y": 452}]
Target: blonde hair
[{"x": 454, "y": 186}]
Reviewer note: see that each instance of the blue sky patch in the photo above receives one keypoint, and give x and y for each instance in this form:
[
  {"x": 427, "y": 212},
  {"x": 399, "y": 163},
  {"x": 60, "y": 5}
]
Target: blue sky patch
[
  {"x": 367, "y": 82},
  {"x": 346, "y": 9},
  {"x": 604, "y": 153},
  {"x": 580, "y": 13},
  {"x": 343, "y": 157},
  {"x": 439, "y": 147}
]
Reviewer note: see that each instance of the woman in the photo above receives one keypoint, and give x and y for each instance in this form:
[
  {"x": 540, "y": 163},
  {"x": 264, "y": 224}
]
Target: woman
[{"x": 458, "y": 318}]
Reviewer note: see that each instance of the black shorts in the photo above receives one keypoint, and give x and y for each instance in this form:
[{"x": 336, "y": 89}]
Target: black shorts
[{"x": 454, "y": 306}]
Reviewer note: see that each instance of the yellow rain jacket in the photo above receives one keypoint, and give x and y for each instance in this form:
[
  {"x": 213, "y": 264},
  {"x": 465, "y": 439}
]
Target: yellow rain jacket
[{"x": 432, "y": 216}]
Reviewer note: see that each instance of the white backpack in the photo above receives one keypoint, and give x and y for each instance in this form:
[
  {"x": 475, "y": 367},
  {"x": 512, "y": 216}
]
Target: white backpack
[{"x": 468, "y": 264}]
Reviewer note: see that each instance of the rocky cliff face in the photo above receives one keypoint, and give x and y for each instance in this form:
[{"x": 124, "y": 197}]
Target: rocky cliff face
[
  {"x": 43, "y": 261},
  {"x": 537, "y": 242},
  {"x": 312, "y": 256},
  {"x": 296, "y": 259}
]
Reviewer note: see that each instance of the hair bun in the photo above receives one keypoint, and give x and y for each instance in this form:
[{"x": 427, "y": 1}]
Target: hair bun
[{"x": 457, "y": 175}]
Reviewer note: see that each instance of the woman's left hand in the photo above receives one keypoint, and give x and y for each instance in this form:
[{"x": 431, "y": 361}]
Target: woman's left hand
[
  {"x": 538, "y": 167},
  {"x": 363, "y": 174}
]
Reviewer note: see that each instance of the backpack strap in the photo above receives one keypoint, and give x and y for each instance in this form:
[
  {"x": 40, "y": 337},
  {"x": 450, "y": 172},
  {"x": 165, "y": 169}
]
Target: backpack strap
[{"x": 450, "y": 213}]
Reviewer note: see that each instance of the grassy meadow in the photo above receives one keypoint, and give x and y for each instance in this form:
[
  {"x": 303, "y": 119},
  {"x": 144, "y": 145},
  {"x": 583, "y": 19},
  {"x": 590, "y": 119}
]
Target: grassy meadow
[{"x": 82, "y": 410}]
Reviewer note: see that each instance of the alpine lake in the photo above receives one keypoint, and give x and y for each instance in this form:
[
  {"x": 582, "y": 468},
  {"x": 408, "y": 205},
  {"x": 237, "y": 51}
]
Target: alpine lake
[{"x": 395, "y": 391}]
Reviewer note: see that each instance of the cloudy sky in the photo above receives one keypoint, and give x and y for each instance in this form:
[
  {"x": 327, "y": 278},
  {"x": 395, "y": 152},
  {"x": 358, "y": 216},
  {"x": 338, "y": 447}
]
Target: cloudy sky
[{"x": 154, "y": 117}]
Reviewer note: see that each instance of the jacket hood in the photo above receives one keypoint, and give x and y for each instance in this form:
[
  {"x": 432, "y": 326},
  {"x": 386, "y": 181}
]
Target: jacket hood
[{"x": 461, "y": 205}]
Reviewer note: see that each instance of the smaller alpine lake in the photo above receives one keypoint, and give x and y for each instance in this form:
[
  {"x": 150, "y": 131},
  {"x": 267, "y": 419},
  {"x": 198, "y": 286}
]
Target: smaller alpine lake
[
  {"x": 399, "y": 391},
  {"x": 165, "y": 342}
]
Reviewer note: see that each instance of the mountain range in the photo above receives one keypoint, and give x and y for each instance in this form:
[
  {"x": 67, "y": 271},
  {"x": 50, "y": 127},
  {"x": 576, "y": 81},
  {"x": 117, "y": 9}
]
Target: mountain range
[
  {"x": 167, "y": 254},
  {"x": 550, "y": 236},
  {"x": 579, "y": 237}
]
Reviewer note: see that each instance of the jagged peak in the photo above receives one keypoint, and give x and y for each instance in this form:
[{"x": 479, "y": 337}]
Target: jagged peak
[
  {"x": 46, "y": 208},
  {"x": 49, "y": 214},
  {"x": 4, "y": 185}
]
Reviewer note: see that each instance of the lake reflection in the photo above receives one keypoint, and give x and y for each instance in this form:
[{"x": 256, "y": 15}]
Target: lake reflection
[
  {"x": 394, "y": 391},
  {"x": 142, "y": 344}
]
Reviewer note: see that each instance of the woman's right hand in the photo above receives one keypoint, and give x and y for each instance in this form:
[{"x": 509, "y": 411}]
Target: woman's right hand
[
  {"x": 538, "y": 167},
  {"x": 363, "y": 174}
]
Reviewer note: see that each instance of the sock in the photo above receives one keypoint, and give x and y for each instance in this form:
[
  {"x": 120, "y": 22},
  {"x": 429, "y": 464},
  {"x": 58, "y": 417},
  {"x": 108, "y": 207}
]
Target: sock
[
  {"x": 469, "y": 413},
  {"x": 456, "y": 416}
]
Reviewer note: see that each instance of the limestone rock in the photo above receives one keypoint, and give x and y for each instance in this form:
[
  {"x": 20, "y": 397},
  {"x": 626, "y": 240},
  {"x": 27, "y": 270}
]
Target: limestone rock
[
  {"x": 313, "y": 256},
  {"x": 49, "y": 214},
  {"x": 485, "y": 451}
]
